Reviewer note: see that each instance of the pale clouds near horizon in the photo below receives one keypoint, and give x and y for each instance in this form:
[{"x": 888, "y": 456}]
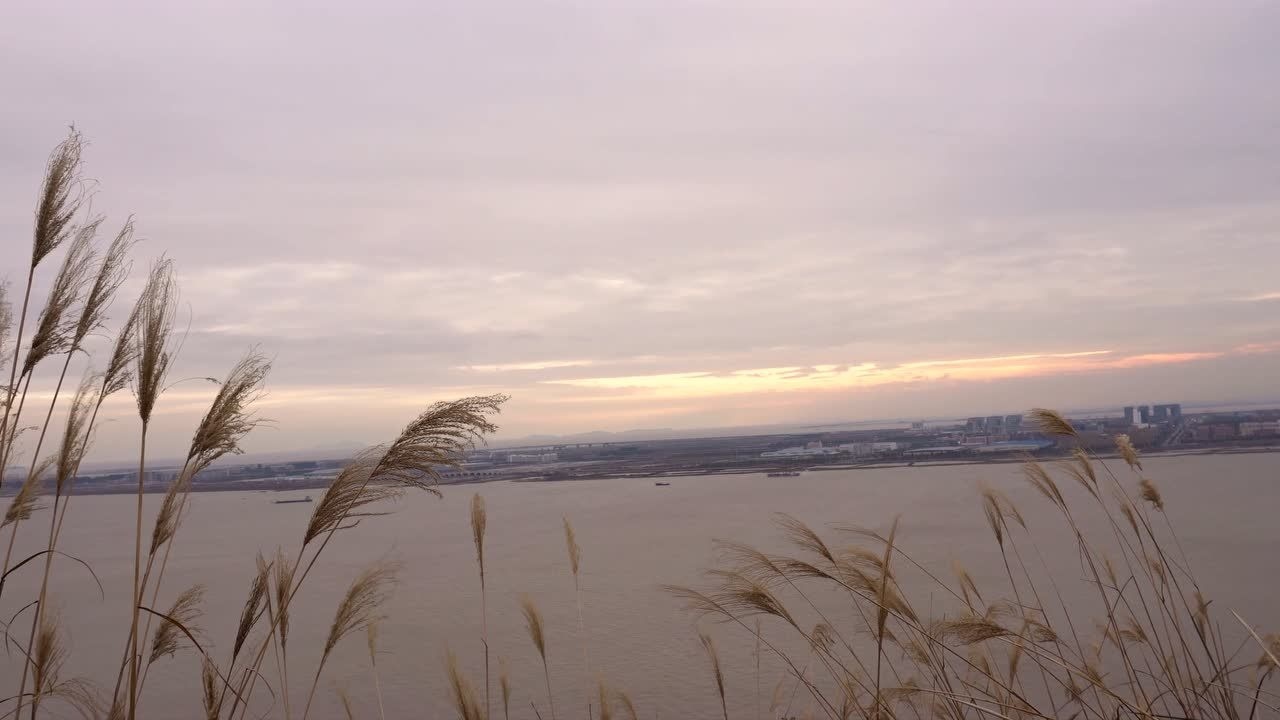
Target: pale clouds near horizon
[{"x": 666, "y": 214}]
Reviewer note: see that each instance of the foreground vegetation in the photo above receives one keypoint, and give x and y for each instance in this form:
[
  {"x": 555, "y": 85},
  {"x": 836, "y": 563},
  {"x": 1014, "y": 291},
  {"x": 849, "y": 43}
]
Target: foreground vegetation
[{"x": 1147, "y": 645}]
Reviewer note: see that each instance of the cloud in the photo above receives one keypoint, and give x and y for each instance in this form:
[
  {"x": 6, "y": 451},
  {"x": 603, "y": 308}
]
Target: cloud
[
  {"x": 870, "y": 374},
  {"x": 1262, "y": 297},
  {"x": 621, "y": 211},
  {"x": 537, "y": 365}
]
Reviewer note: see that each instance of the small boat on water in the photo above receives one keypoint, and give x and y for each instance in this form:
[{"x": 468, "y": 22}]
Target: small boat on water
[
  {"x": 783, "y": 474},
  {"x": 306, "y": 499},
  {"x": 662, "y": 484}
]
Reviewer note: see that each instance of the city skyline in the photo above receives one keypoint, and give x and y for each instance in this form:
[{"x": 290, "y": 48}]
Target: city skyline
[{"x": 722, "y": 219}]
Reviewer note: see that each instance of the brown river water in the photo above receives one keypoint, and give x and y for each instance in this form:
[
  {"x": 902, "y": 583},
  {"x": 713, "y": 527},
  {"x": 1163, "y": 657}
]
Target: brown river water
[{"x": 635, "y": 537}]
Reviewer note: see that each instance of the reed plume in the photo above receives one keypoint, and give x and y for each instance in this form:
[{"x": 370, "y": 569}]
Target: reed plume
[
  {"x": 282, "y": 581},
  {"x": 574, "y": 550},
  {"x": 371, "y": 635},
  {"x": 154, "y": 337},
  {"x": 1151, "y": 493},
  {"x": 124, "y": 354},
  {"x": 48, "y": 655},
  {"x": 465, "y": 701},
  {"x": 478, "y": 522},
  {"x": 709, "y": 647},
  {"x": 575, "y": 563},
  {"x": 169, "y": 515},
  {"x": 211, "y": 702},
  {"x": 1051, "y": 422},
  {"x": 27, "y": 500},
  {"x": 602, "y": 697},
  {"x": 360, "y": 606},
  {"x": 48, "y": 659},
  {"x": 6, "y": 326},
  {"x": 60, "y": 198},
  {"x": 154, "y": 331},
  {"x": 251, "y": 611},
  {"x": 533, "y": 623},
  {"x": 628, "y": 706},
  {"x": 56, "y": 328},
  {"x": 230, "y": 418},
  {"x": 76, "y": 431},
  {"x": 351, "y": 490},
  {"x": 1128, "y": 452},
  {"x": 111, "y": 274},
  {"x": 185, "y": 611},
  {"x": 504, "y": 684},
  {"x": 438, "y": 438},
  {"x": 60, "y": 201}
]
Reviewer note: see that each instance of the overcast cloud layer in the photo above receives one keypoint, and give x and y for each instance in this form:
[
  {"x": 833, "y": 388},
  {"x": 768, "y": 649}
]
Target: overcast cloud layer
[{"x": 663, "y": 214}]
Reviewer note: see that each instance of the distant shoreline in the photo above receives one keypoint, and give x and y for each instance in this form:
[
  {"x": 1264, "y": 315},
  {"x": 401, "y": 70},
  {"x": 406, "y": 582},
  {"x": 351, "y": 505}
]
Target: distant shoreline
[
  {"x": 1003, "y": 460},
  {"x": 674, "y": 471}
]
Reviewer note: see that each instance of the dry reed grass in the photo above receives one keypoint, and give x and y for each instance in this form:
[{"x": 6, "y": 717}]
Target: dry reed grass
[
  {"x": 56, "y": 327},
  {"x": 1014, "y": 652},
  {"x": 27, "y": 500},
  {"x": 625, "y": 702},
  {"x": 371, "y": 638},
  {"x": 112, "y": 272},
  {"x": 603, "y": 700},
  {"x": 153, "y": 337},
  {"x": 713, "y": 657},
  {"x": 465, "y": 699},
  {"x": 504, "y": 684},
  {"x": 533, "y": 623},
  {"x": 251, "y": 611},
  {"x": 360, "y": 607},
  {"x": 282, "y": 581},
  {"x": 186, "y": 609},
  {"x": 479, "y": 521},
  {"x": 61, "y": 196}
]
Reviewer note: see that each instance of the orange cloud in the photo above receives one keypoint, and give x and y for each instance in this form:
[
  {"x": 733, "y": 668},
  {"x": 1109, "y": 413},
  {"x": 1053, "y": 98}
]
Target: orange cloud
[
  {"x": 1161, "y": 359},
  {"x": 869, "y": 374},
  {"x": 1257, "y": 348}
]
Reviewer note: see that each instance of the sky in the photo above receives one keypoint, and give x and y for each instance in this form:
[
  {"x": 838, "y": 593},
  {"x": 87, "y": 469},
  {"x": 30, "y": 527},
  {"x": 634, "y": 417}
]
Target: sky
[{"x": 667, "y": 214}]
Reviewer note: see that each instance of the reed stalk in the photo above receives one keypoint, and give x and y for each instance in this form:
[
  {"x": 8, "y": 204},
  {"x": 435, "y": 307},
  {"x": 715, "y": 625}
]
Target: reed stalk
[
  {"x": 372, "y": 636},
  {"x": 479, "y": 521},
  {"x": 533, "y": 623},
  {"x": 575, "y": 562}
]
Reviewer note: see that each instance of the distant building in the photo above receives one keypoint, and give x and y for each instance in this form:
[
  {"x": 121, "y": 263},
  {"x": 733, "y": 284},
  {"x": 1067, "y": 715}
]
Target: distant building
[
  {"x": 1260, "y": 428},
  {"x": 800, "y": 452},
  {"x": 1144, "y": 414},
  {"x": 1012, "y": 446},
  {"x": 532, "y": 457},
  {"x": 1215, "y": 432},
  {"x": 869, "y": 448},
  {"x": 1013, "y": 424},
  {"x": 975, "y": 425},
  {"x": 1128, "y": 414},
  {"x": 995, "y": 424},
  {"x": 1160, "y": 413},
  {"x": 1175, "y": 410},
  {"x": 917, "y": 426}
]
